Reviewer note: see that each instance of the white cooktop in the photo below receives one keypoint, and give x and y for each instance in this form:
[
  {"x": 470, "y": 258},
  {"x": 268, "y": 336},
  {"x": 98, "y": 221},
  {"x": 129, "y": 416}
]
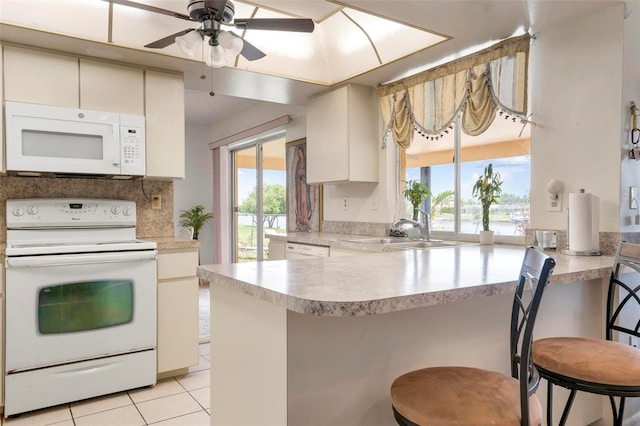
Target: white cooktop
[{"x": 57, "y": 226}]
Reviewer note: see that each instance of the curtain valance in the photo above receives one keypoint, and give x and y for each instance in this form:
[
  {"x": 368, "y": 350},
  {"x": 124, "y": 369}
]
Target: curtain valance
[{"x": 474, "y": 86}]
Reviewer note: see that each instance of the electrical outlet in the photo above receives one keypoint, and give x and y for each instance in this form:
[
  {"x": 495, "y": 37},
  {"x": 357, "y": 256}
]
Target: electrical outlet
[
  {"x": 156, "y": 201},
  {"x": 345, "y": 203},
  {"x": 374, "y": 203},
  {"x": 554, "y": 204},
  {"x": 634, "y": 341}
]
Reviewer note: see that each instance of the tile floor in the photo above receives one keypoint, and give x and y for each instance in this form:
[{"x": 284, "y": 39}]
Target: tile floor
[{"x": 181, "y": 400}]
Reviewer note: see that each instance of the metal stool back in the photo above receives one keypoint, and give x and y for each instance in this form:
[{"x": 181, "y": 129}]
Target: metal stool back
[
  {"x": 534, "y": 276},
  {"x": 623, "y": 302}
]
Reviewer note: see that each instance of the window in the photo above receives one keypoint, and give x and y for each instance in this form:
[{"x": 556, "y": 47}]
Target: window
[
  {"x": 505, "y": 144},
  {"x": 84, "y": 306}
]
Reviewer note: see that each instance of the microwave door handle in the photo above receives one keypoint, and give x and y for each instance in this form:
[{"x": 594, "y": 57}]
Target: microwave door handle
[{"x": 117, "y": 152}]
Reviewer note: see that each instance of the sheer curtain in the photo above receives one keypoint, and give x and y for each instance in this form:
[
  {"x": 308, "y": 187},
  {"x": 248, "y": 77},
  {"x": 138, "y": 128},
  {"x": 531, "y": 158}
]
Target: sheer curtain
[{"x": 475, "y": 86}]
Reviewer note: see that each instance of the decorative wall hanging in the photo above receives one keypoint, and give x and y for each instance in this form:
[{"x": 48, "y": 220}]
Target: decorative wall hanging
[{"x": 304, "y": 201}]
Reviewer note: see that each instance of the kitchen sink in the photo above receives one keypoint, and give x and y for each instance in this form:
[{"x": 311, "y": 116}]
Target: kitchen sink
[
  {"x": 409, "y": 243},
  {"x": 426, "y": 244},
  {"x": 380, "y": 240}
]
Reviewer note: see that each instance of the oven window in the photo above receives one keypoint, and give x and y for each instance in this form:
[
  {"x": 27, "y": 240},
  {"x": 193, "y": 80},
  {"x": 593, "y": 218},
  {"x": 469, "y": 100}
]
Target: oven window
[{"x": 67, "y": 308}]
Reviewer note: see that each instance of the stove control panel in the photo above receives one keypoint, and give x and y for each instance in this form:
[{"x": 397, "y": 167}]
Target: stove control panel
[{"x": 63, "y": 212}]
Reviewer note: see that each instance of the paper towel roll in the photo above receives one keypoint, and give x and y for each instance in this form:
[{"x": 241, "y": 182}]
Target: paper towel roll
[{"x": 584, "y": 222}]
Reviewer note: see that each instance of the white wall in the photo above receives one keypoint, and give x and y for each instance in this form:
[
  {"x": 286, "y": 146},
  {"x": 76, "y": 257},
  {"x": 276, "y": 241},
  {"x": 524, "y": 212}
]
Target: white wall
[
  {"x": 196, "y": 188},
  {"x": 630, "y": 175},
  {"x": 576, "y": 86}
]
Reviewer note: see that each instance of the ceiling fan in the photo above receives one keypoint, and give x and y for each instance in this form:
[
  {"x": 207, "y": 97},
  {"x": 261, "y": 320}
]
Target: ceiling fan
[{"x": 212, "y": 14}]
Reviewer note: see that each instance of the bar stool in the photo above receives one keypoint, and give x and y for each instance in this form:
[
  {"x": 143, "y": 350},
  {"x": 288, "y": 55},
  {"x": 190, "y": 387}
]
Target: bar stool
[
  {"x": 471, "y": 396},
  {"x": 603, "y": 367}
]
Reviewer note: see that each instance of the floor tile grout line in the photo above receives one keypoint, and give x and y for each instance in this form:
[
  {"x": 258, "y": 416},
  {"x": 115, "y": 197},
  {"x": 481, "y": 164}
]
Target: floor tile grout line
[{"x": 176, "y": 417}]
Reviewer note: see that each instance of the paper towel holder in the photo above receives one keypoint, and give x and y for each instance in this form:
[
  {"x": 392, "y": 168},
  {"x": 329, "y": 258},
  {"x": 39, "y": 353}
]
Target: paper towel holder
[
  {"x": 554, "y": 201},
  {"x": 576, "y": 252}
]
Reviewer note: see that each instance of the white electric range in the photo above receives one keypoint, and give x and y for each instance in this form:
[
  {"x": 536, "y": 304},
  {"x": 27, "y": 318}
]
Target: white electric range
[{"x": 80, "y": 302}]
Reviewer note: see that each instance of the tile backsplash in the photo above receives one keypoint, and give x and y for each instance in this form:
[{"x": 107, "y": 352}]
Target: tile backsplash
[{"x": 150, "y": 223}]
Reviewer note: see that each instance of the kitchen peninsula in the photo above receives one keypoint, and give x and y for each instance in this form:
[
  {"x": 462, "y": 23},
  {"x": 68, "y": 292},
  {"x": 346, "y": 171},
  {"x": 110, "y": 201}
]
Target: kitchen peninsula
[{"x": 319, "y": 341}]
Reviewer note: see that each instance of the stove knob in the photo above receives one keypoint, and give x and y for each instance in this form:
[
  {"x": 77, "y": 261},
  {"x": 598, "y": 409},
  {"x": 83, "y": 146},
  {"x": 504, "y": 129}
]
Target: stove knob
[
  {"x": 18, "y": 211},
  {"x": 32, "y": 210},
  {"x": 115, "y": 209},
  {"x": 126, "y": 211}
]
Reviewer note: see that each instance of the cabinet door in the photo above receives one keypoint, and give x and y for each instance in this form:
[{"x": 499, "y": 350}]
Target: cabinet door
[
  {"x": 113, "y": 88},
  {"x": 178, "y": 310},
  {"x": 178, "y": 334},
  {"x": 327, "y": 137},
  {"x": 342, "y": 136},
  {"x": 39, "y": 77},
  {"x": 276, "y": 250},
  {"x": 164, "y": 112}
]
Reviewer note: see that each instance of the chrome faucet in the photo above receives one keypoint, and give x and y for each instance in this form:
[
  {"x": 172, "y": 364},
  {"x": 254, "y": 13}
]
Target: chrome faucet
[
  {"x": 425, "y": 225},
  {"x": 422, "y": 225}
]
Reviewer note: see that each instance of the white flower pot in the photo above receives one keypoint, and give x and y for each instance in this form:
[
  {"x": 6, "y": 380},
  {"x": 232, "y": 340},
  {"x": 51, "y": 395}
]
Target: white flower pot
[{"x": 486, "y": 237}]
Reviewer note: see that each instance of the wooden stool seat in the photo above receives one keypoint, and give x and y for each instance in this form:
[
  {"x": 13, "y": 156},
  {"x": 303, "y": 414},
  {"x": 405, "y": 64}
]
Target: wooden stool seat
[
  {"x": 589, "y": 360},
  {"x": 461, "y": 396}
]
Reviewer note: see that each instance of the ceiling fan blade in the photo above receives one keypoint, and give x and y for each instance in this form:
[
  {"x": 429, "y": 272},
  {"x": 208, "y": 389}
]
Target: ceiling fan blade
[
  {"x": 168, "y": 40},
  {"x": 249, "y": 51},
  {"x": 275, "y": 24},
  {"x": 148, "y": 8}
]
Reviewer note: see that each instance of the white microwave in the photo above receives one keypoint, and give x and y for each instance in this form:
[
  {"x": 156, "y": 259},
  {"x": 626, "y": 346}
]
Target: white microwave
[{"x": 51, "y": 140}]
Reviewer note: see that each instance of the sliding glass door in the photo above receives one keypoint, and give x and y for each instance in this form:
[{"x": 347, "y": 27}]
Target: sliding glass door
[{"x": 259, "y": 195}]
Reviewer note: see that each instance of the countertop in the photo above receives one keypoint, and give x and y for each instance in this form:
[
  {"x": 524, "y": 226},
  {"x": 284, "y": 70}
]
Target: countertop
[{"x": 376, "y": 283}]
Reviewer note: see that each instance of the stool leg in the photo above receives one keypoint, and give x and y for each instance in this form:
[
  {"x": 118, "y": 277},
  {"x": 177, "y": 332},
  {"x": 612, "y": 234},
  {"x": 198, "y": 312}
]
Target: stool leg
[
  {"x": 567, "y": 407},
  {"x": 549, "y": 403},
  {"x": 617, "y": 417}
]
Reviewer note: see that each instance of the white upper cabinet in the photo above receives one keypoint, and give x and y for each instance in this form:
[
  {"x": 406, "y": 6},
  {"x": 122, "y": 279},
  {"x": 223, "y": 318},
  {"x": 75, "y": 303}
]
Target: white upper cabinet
[
  {"x": 111, "y": 87},
  {"x": 164, "y": 103},
  {"x": 342, "y": 136},
  {"x": 39, "y": 77}
]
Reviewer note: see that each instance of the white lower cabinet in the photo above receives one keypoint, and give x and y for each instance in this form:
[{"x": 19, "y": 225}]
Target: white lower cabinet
[
  {"x": 178, "y": 317},
  {"x": 276, "y": 250}
]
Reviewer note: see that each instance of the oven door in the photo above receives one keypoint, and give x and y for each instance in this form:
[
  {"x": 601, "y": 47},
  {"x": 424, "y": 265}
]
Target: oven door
[{"x": 66, "y": 308}]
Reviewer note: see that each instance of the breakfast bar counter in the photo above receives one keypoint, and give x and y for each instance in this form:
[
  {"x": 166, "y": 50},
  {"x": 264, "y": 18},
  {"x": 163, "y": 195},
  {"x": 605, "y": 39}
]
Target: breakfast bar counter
[{"x": 319, "y": 340}]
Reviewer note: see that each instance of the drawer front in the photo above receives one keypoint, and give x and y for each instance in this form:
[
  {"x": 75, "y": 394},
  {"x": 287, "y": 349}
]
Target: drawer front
[{"x": 177, "y": 264}]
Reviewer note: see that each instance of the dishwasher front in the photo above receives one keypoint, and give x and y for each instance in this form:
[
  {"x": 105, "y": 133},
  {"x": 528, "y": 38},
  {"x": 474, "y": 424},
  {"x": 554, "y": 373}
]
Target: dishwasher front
[{"x": 305, "y": 251}]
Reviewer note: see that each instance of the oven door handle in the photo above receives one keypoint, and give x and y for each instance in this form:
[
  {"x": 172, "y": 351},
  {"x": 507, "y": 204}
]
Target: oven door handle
[{"x": 79, "y": 259}]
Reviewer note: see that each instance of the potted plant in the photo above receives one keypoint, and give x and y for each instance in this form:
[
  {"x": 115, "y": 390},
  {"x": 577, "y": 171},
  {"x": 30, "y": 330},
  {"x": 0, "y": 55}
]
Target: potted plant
[
  {"x": 487, "y": 190},
  {"x": 416, "y": 192},
  {"x": 195, "y": 217}
]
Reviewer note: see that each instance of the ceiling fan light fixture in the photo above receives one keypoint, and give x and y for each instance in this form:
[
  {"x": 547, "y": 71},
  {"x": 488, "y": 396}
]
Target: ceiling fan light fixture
[
  {"x": 231, "y": 44},
  {"x": 216, "y": 57},
  {"x": 189, "y": 43}
]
